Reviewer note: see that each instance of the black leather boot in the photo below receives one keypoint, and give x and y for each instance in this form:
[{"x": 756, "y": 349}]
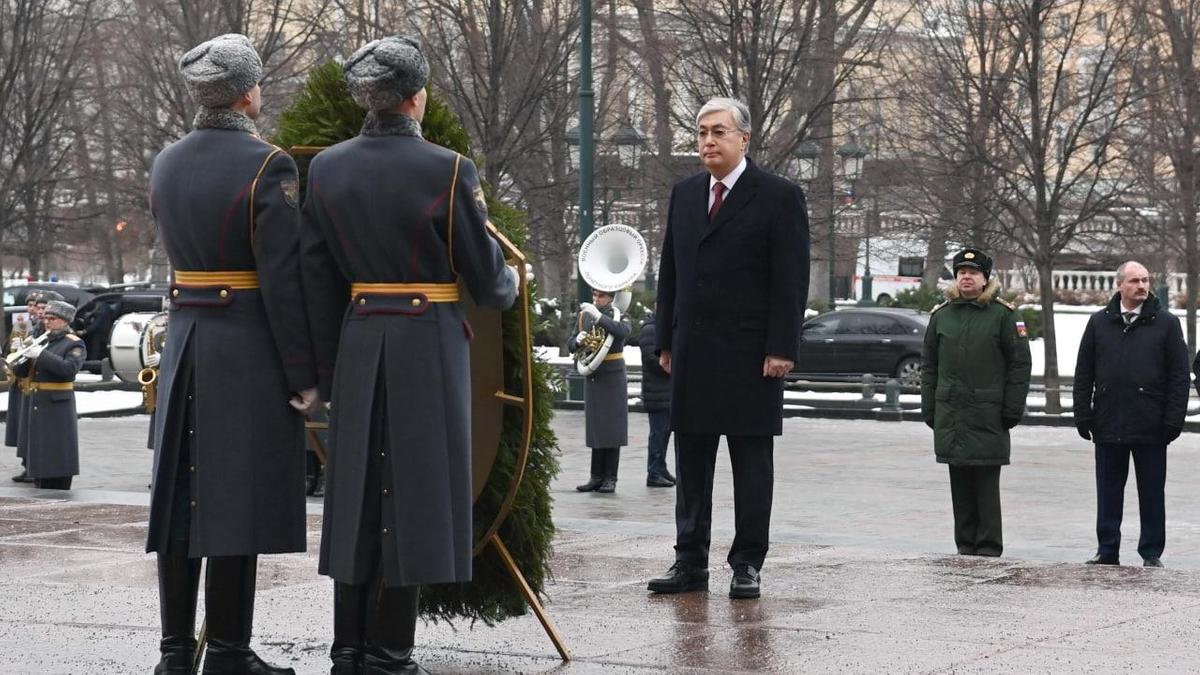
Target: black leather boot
[
  {"x": 612, "y": 459},
  {"x": 349, "y": 628},
  {"x": 178, "y": 580},
  {"x": 597, "y": 472},
  {"x": 391, "y": 630},
  {"x": 229, "y": 605}
]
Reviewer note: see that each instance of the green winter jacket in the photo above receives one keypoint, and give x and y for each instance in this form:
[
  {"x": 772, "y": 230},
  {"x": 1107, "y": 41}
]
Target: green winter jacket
[{"x": 974, "y": 377}]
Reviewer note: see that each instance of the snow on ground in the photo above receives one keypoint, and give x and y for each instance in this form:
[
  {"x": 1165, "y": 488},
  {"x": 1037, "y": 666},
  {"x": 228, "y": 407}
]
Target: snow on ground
[{"x": 98, "y": 401}]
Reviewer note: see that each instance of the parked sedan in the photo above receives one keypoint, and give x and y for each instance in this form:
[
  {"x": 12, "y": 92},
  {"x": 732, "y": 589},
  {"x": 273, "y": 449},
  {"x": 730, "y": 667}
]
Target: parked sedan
[{"x": 853, "y": 342}]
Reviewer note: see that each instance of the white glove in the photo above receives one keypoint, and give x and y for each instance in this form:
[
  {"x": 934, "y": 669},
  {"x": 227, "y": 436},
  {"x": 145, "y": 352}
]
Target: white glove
[
  {"x": 152, "y": 360},
  {"x": 591, "y": 310},
  {"x": 512, "y": 270},
  {"x": 34, "y": 352},
  {"x": 579, "y": 338}
]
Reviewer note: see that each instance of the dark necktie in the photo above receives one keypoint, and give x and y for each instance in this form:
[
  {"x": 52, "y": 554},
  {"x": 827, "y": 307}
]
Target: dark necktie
[
  {"x": 719, "y": 188},
  {"x": 1130, "y": 317}
]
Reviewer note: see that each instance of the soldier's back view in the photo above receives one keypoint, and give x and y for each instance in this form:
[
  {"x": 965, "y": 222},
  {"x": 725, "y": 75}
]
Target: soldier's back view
[{"x": 229, "y": 450}]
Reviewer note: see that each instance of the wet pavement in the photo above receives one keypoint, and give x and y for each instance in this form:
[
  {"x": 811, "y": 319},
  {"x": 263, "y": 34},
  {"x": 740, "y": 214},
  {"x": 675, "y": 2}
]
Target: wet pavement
[{"x": 860, "y": 577}]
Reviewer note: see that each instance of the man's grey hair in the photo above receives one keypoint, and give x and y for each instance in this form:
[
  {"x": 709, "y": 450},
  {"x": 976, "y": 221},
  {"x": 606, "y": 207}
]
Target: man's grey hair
[
  {"x": 739, "y": 110},
  {"x": 1127, "y": 263}
]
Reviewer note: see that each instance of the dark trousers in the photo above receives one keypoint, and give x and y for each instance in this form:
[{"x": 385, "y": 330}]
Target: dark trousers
[
  {"x": 975, "y": 491},
  {"x": 753, "y": 480},
  {"x": 660, "y": 433},
  {"x": 1112, "y": 469},
  {"x": 605, "y": 462}
]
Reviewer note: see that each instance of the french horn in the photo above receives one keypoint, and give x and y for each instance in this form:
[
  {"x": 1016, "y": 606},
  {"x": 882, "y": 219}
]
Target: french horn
[{"x": 610, "y": 260}]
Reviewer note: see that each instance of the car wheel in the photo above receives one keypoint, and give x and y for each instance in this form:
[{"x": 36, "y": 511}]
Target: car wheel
[{"x": 908, "y": 371}]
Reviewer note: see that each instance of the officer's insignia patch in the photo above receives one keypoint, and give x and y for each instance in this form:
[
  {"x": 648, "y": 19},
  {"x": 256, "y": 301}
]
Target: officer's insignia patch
[
  {"x": 77, "y": 352},
  {"x": 1021, "y": 332},
  {"x": 480, "y": 200},
  {"x": 290, "y": 189},
  {"x": 969, "y": 255}
]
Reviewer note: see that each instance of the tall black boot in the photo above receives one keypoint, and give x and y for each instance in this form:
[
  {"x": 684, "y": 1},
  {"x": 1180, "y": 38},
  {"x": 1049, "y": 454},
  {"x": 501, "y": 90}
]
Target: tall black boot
[
  {"x": 597, "y": 472},
  {"x": 391, "y": 630},
  {"x": 229, "y": 605},
  {"x": 349, "y": 628},
  {"x": 178, "y": 580},
  {"x": 612, "y": 458}
]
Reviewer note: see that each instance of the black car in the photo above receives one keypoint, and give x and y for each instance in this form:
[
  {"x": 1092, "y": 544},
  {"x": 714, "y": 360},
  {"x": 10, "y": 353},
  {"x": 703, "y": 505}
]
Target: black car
[{"x": 852, "y": 342}]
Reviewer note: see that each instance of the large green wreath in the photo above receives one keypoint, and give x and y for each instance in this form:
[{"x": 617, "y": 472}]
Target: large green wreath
[{"x": 323, "y": 114}]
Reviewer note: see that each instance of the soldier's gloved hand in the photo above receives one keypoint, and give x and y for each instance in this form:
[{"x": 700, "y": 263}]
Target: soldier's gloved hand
[
  {"x": 512, "y": 269},
  {"x": 306, "y": 401},
  {"x": 34, "y": 352},
  {"x": 590, "y": 309},
  {"x": 1170, "y": 433},
  {"x": 579, "y": 338},
  {"x": 1084, "y": 429},
  {"x": 153, "y": 360}
]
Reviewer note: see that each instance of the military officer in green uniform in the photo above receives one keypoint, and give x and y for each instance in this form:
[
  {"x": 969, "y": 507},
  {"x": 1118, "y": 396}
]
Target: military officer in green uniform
[{"x": 974, "y": 378}]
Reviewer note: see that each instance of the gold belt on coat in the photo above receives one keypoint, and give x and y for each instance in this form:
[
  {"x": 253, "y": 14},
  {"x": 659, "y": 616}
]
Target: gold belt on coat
[
  {"x": 240, "y": 280},
  {"x": 51, "y": 386},
  {"x": 432, "y": 292}
]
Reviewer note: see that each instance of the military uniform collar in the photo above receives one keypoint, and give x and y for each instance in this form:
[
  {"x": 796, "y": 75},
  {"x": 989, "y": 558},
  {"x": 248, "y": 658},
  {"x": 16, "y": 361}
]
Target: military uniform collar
[
  {"x": 223, "y": 118},
  {"x": 380, "y": 123}
]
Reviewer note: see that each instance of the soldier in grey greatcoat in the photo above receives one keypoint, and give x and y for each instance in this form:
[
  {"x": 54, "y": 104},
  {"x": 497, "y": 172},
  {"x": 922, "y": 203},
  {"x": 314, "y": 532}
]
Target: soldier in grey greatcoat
[
  {"x": 40, "y": 300},
  {"x": 606, "y": 394},
  {"x": 237, "y": 369},
  {"x": 16, "y": 385},
  {"x": 51, "y": 425},
  {"x": 392, "y": 224}
]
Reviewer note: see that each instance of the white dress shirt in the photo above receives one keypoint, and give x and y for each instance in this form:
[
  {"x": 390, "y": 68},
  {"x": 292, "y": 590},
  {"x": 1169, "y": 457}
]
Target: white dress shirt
[{"x": 728, "y": 181}]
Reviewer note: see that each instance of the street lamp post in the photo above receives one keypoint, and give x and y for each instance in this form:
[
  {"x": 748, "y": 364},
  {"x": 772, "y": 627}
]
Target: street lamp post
[
  {"x": 586, "y": 136},
  {"x": 852, "y": 155}
]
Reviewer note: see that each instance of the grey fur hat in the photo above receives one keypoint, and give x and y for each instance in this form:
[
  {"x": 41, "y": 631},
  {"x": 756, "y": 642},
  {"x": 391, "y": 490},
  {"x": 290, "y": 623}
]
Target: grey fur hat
[
  {"x": 387, "y": 71},
  {"x": 63, "y": 310},
  {"x": 220, "y": 70}
]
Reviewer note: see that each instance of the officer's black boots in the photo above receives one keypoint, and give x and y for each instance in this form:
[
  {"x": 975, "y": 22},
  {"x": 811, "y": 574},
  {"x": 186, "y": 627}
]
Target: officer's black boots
[
  {"x": 229, "y": 606},
  {"x": 349, "y": 628},
  {"x": 597, "y": 472},
  {"x": 612, "y": 458},
  {"x": 178, "y": 579},
  {"x": 391, "y": 630}
]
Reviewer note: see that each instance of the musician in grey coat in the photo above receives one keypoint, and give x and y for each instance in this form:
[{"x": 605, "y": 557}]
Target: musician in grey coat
[
  {"x": 606, "y": 394},
  {"x": 237, "y": 367},
  {"x": 50, "y": 424},
  {"x": 393, "y": 224},
  {"x": 16, "y": 386}
]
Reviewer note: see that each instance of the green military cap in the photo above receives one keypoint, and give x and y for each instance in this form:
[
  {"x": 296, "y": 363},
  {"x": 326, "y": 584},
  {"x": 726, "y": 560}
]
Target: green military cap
[{"x": 973, "y": 257}]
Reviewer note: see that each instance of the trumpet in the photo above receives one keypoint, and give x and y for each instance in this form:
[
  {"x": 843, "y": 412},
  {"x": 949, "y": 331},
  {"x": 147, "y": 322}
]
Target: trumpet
[{"x": 19, "y": 356}]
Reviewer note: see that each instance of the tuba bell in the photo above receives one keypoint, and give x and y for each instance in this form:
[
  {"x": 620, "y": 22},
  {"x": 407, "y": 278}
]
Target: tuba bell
[{"x": 610, "y": 260}]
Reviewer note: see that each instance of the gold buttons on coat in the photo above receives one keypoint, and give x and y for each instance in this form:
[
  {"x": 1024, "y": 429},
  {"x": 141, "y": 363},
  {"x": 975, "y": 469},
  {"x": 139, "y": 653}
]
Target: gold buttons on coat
[
  {"x": 224, "y": 293},
  {"x": 416, "y": 302}
]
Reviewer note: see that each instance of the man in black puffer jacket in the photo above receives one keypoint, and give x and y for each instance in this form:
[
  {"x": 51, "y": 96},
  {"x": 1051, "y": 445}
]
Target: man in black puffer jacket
[
  {"x": 1131, "y": 394},
  {"x": 656, "y": 397}
]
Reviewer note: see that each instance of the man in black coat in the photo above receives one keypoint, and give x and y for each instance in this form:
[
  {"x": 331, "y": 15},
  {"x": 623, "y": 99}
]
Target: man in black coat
[
  {"x": 656, "y": 398},
  {"x": 237, "y": 370},
  {"x": 1130, "y": 398},
  {"x": 733, "y": 283}
]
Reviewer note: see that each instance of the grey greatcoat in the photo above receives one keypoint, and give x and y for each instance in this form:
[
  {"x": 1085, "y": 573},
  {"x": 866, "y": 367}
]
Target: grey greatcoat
[
  {"x": 50, "y": 426},
  {"x": 15, "y": 418},
  {"x": 229, "y": 450},
  {"x": 606, "y": 391},
  {"x": 390, "y": 207}
]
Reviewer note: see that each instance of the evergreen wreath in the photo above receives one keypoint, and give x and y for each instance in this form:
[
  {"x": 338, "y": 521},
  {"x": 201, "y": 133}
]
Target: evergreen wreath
[{"x": 322, "y": 114}]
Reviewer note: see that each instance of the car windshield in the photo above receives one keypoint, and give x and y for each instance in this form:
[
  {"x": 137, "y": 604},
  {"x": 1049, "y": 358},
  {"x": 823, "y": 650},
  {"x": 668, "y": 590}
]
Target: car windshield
[{"x": 922, "y": 319}]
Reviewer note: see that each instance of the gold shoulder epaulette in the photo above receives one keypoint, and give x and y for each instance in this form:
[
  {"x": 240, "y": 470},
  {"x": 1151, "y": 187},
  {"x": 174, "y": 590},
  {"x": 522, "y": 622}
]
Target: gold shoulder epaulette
[
  {"x": 939, "y": 306},
  {"x": 1006, "y": 303},
  {"x": 72, "y": 336}
]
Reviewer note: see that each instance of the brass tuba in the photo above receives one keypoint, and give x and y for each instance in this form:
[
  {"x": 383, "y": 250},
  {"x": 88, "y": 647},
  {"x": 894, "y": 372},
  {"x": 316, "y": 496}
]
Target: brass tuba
[{"x": 610, "y": 260}]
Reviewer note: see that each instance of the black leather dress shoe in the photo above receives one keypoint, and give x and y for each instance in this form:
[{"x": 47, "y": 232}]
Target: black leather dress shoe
[
  {"x": 1101, "y": 559},
  {"x": 668, "y": 476},
  {"x": 745, "y": 582},
  {"x": 608, "y": 485},
  {"x": 681, "y": 578},
  {"x": 659, "y": 481},
  {"x": 1152, "y": 562},
  {"x": 590, "y": 486},
  {"x": 22, "y": 477}
]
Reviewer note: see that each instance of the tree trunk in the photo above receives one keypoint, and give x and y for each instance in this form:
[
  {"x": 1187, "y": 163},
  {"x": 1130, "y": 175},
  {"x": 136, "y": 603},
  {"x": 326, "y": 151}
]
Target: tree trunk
[{"x": 1049, "y": 336}]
